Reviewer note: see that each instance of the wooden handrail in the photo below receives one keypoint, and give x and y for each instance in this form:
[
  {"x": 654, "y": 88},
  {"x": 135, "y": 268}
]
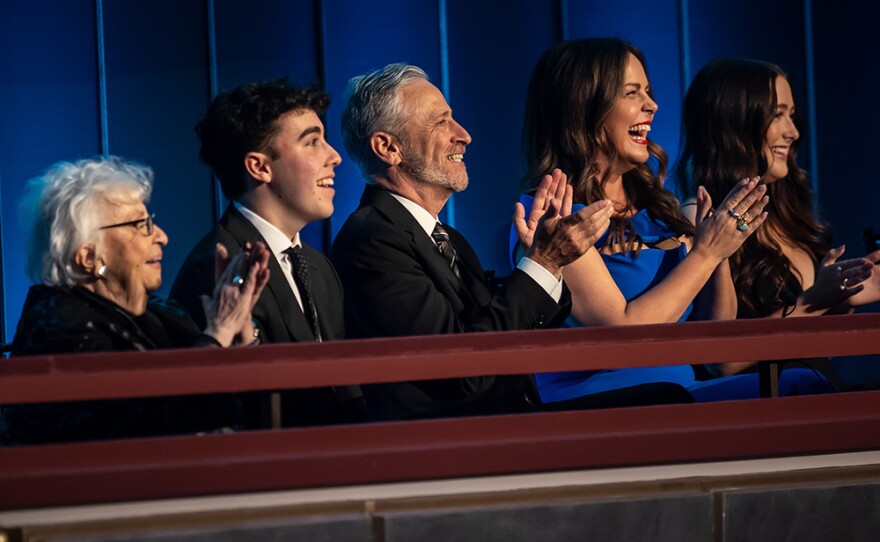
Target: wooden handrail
[
  {"x": 268, "y": 367},
  {"x": 168, "y": 467}
]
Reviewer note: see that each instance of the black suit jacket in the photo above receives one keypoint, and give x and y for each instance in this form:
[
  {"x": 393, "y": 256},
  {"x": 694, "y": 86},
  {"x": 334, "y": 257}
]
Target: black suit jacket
[
  {"x": 397, "y": 283},
  {"x": 277, "y": 312}
]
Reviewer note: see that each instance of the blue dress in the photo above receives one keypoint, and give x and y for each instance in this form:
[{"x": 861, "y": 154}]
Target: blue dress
[{"x": 634, "y": 275}]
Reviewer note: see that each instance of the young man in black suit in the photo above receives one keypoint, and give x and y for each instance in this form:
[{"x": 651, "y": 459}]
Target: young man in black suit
[
  {"x": 404, "y": 273},
  {"x": 265, "y": 143}
]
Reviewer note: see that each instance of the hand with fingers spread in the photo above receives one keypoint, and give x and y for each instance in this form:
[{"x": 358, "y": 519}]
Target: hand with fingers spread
[
  {"x": 553, "y": 186},
  {"x": 837, "y": 282},
  {"x": 738, "y": 216},
  {"x": 561, "y": 239},
  {"x": 239, "y": 282}
]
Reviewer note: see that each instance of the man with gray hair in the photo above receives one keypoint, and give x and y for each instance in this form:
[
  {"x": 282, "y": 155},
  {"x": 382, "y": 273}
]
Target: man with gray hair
[{"x": 405, "y": 273}]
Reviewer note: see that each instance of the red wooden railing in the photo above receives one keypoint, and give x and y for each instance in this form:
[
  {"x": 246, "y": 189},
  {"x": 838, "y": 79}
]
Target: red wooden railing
[{"x": 38, "y": 476}]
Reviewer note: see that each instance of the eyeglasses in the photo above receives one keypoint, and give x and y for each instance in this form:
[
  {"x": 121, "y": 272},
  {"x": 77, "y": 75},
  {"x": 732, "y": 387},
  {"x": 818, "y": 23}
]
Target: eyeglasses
[{"x": 144, "y": 225}]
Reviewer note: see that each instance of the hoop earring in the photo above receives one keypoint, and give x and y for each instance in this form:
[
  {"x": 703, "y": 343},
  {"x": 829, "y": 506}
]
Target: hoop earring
[{"x": 102, "y": 271}]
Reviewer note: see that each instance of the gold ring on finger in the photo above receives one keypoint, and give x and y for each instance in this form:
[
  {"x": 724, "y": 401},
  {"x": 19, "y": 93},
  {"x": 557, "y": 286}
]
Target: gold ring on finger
[{"x": 734, "y": 214}]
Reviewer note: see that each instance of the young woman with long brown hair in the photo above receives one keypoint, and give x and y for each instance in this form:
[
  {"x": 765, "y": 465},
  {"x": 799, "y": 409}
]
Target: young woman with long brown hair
[{"x": 739, "y": 119}]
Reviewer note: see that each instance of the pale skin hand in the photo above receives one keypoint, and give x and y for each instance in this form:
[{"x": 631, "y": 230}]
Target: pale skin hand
[
  {"x": 597, "y": 300},
  {"x": 717, "y": 236},
  {"x": 717, "y": 299},
  {"x": 228, "y": 312},
  {"x": 552, "y": 186},
  {"x": 559, "y": 237}
]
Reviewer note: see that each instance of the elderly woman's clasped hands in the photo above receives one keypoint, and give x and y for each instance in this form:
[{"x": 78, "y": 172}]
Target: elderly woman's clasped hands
[{"x": 239, "y": 282}]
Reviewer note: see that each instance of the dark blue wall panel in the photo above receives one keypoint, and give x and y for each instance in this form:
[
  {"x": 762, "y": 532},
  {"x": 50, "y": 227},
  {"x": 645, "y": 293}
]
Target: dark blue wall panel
[
  {"x": 49, "y": 101},
  {"x": 157, "y": 89},
  {"x": 489, "y": 70},
  {"x": 766, "y": 30},
  {"x": 846, "y": 82},
  {"x": 269, "y": 39},
  {"x": 769, "y": 31},
  {"x": 847, "y": 161},
  {"x": 362, "y": 36}
]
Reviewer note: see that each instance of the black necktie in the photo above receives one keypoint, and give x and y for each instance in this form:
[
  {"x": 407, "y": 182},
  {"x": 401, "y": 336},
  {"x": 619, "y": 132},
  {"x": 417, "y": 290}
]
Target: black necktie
[
  {"x": 441, "y": 237},
  {"x": 304, "y": 283}
]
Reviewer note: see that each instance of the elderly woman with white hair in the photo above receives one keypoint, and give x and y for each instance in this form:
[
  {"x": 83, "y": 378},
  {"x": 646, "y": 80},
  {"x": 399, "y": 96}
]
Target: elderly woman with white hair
[{"x": 97, "y": 253}]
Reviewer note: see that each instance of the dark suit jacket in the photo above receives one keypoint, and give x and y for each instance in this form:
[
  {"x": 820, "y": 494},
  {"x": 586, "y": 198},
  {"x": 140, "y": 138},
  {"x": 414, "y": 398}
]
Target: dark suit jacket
[
  {"x": 277, "y": 312},
  {"x": 397, "y": 283}
]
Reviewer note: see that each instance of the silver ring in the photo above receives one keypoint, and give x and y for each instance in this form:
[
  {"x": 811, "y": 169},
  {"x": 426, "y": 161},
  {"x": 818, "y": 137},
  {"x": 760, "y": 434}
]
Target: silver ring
[
  {"x": 845, "y": 283},
  {"x": 237, "y": 280}
]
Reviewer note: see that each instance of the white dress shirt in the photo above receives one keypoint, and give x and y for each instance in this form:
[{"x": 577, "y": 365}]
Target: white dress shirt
[{"x": 277, "y": 242}]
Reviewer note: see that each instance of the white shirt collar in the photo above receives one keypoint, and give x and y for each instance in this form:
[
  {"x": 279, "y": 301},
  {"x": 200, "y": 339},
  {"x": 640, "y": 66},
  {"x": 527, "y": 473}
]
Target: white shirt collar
[
  {"x": 275, "y": 238},
  {"x": 425, "y": 219}
]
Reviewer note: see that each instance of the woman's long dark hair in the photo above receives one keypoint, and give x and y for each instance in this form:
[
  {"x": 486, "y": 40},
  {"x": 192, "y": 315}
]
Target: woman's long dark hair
[
  {"x": 573, "y": 88},
  {"x": 726, "y": 114}
]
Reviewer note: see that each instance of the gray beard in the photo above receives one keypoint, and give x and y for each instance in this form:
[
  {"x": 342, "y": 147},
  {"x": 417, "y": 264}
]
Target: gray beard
[{"x": 419, "y": 170}]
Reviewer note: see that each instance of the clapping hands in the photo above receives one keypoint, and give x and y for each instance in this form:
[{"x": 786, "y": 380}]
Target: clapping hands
[
  {"x": 738, "y": 216},
  {"x": 844, "y": 284},
  {"x": 239, "y": 282},
  {"x": 552, "y": 235}
]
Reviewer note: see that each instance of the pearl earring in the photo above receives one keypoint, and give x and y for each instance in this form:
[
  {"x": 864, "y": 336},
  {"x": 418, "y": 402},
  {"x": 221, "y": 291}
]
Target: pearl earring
[{"x": 102, "y": 271}]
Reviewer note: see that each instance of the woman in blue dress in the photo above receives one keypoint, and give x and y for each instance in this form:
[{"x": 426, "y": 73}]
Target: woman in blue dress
[{"x": 589, "y": 111}]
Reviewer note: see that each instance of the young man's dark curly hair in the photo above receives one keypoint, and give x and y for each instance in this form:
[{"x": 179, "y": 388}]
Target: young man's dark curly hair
[{"x": 244, "y": 120}]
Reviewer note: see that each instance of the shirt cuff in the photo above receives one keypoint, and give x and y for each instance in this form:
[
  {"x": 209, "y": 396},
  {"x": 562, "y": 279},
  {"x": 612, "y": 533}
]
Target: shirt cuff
[{"x": 544, "y": 278}]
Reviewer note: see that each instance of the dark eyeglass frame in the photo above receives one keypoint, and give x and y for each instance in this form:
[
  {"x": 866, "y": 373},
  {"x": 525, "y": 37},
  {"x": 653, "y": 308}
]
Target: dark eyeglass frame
[{"x": 149, "y": 221}]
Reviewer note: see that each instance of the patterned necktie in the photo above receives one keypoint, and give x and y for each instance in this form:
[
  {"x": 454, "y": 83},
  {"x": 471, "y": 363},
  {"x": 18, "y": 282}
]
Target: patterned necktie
[
  {"x": 441, "y": 237},
  {"x": 301, "y": 276}
]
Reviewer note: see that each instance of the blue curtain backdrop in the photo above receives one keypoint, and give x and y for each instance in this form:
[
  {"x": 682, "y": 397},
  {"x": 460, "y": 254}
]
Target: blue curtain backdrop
[{"x": 131, "y": 77}]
